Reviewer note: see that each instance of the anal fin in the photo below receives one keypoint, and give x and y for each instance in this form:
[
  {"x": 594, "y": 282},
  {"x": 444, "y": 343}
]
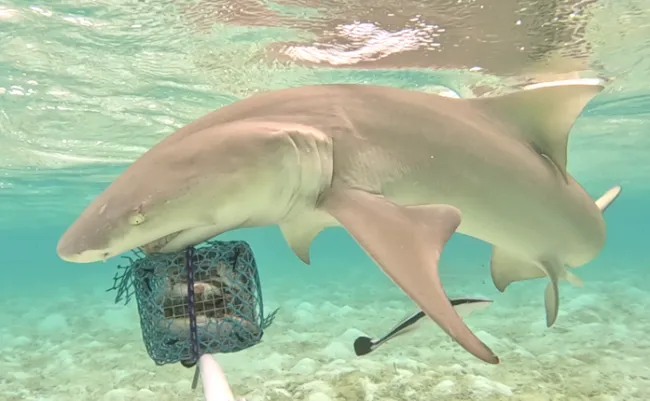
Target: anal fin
[
  {"x": 406, "y": 242},
  {"x": 552, "y": 291}
]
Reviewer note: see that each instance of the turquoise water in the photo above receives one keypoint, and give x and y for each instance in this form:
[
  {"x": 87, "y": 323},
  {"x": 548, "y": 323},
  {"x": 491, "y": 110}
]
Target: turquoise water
[{"x": 86, "y": 87}]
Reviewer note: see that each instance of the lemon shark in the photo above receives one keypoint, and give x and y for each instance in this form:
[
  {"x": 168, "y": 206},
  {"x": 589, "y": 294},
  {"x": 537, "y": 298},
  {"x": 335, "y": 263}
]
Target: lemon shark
[{"x": 401, "y": 171}]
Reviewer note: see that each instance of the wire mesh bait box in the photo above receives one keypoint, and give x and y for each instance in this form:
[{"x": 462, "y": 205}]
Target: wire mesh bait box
[{"x": 201, "y": 300}]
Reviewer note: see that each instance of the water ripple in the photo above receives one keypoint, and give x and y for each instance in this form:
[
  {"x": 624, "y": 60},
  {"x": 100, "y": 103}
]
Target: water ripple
[{"x": 88, "y": 86}]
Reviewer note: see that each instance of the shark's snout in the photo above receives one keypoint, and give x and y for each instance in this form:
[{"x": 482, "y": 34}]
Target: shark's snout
[{"x": 75, "y": 249}]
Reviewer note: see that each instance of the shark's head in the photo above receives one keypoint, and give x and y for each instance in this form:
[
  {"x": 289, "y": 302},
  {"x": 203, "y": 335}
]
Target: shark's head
[
  {"x": 130, "y": 213},
  {"x": 187, "y": 189}
]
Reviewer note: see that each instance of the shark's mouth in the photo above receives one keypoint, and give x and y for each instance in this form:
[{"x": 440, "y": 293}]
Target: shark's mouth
[{"x": 157, "y": 245}]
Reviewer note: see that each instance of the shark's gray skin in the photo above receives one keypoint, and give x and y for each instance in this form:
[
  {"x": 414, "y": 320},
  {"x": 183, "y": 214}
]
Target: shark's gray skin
[{"x": 401, "y": 171}]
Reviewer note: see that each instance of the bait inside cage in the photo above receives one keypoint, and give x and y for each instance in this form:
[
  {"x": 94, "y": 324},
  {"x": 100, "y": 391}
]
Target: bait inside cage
[{"x": 201, "y": 300}]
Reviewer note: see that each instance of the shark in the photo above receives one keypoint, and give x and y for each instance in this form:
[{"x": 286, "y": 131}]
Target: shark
[{"x": 401, "y": 171}]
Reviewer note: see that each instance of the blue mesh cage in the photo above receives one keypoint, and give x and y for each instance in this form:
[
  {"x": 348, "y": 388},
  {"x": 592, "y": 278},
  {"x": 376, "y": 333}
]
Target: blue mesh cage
[{"x": 202, "y": 300}]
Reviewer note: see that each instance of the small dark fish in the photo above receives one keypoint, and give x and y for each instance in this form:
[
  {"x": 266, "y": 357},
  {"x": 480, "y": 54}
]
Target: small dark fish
[{"x": 464, "y": 306}]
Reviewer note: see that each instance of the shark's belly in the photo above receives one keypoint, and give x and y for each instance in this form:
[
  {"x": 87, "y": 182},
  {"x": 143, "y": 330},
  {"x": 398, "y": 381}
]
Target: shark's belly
[{"x": 531, "y": 215}]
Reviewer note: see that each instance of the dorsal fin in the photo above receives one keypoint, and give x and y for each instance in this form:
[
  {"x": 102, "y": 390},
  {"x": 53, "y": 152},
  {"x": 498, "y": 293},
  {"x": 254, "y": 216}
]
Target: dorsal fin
[
  {"x": 545, "y": 113},
  {"x": 608, "y": 197}
]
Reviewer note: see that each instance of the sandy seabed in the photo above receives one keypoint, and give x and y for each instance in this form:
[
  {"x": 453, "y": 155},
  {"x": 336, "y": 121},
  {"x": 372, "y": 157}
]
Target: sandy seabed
[{"x": 83, "y": 347}]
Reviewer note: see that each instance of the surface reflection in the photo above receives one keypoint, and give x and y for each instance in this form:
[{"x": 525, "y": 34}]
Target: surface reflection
[{"x": 505, "y": 37}]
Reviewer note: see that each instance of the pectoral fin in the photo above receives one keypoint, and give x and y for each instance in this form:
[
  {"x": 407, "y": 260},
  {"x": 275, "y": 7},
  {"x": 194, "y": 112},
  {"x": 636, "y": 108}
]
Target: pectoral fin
[
  {"x": 406, "y": 242},
  {"x": 464, "y": 306},
  {"x": 299, "y": 236},
  {"x": 507, "y": 268}
]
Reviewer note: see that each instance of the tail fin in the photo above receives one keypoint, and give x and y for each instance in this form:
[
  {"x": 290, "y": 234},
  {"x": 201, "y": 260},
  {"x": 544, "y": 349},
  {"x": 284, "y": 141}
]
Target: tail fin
[{"x": 608, "y": 198}]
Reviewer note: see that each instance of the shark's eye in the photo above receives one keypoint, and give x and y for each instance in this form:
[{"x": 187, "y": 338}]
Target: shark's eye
[{"x": 136, "y": 219}]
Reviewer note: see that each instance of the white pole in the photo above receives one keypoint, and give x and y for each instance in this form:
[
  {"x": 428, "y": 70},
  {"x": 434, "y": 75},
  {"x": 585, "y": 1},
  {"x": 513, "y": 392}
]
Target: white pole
[{"x": 215, "y": 384}]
